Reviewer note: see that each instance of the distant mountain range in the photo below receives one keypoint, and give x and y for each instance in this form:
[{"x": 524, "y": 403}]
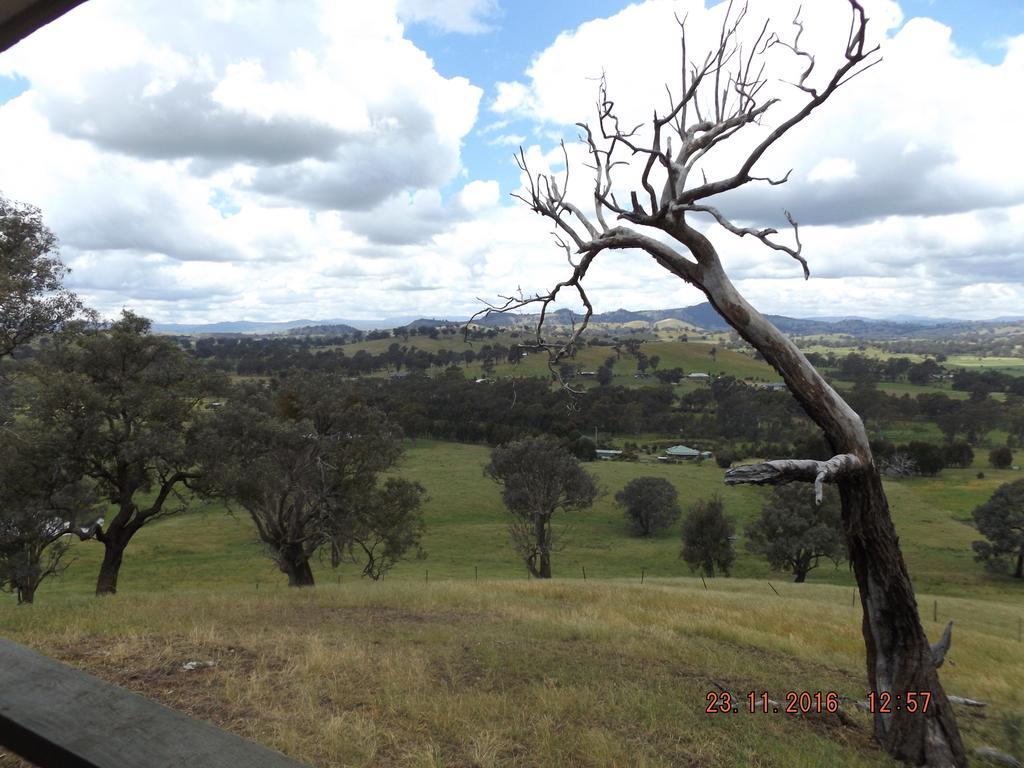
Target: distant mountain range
[
  {"x": 261, "y": 327},
  {"x": 701, "y": 316}
]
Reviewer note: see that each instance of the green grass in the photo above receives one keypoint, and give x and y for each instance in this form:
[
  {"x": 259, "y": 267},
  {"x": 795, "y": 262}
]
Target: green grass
[{"x": 466, "y": 533}]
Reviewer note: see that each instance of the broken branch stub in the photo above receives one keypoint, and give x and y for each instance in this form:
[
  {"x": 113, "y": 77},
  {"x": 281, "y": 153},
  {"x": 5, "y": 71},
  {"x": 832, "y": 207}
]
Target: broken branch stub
[
  {"x": 789, "y": 470},
  {"x": 940, "y": 648}
]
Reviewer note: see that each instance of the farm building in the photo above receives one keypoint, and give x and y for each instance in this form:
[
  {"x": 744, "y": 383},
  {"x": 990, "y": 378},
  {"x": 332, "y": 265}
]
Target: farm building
[{"x": 683, "y": 453}]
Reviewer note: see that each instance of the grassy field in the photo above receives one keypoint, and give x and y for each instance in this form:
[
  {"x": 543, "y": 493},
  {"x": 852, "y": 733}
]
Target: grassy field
[
  {"x": 431, "y": 667},
  {"x": 514, "y": 673},
  {"x": 466, "y": 535}
]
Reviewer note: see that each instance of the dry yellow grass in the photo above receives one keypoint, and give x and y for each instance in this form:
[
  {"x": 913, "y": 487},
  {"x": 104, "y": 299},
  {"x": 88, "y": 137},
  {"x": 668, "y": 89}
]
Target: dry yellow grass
[{"x": 512, "y": 673}]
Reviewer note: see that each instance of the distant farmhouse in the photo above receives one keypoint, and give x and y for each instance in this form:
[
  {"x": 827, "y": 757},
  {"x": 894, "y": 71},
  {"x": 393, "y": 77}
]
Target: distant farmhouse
[{"x": 683, "y": 453}]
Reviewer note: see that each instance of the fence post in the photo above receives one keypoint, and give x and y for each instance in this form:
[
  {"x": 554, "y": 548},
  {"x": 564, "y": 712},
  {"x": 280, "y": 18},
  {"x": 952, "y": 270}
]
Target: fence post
[
  {"x": 426, "y": 577},
  {"x": 584, "y": 573},
  {"x": 476, "y": 573},
  {"x": 642, "y": 572},
  {"x": 935, "y": 611},
  {"x": 703, "y": 582}
]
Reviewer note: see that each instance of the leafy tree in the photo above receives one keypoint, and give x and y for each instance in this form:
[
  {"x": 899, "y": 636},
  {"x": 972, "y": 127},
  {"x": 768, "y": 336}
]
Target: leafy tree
[
  {"x": 724, "y": 457},
  {"x": 32, "y": 299},
  {"x": 41, "y": 501},
  {"x": 921, "y": 373},
  {"x": 707, "y": 537},
  {"x": 1000, "y": 457},
  {"x": 605, "y": 375},
  {"x": 927, "y": 458},
  {"x": 958, "y": 454},
  {"x": 1001, "y": 521},
  {"x": 379, "y": 528},
  {"x": 583, "y": 448},
  {"x": 121, "y": 399},
  {"x": 651, "y": 504},
  {"x": 538, "y": 478},
  {"x": 304, "y": 463},
  {"x": 794, "y": 532}
]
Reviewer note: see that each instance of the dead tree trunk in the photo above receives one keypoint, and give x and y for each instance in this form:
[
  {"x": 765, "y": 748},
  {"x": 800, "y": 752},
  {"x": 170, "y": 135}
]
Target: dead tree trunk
[
  {"x": 899, "y": 657},
  {"x": 718, "y": 99}
]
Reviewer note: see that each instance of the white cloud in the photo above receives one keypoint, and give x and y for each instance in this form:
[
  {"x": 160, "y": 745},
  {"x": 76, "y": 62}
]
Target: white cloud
[
  {"x": 508, "y": 140},
  {"x": 512, "y": 97},
  {"x": 469, "y": 17},
  {"x": 832, "y": 169},
  {"x": 238, "y": 139},
  {"x": 479, "y": 195}
]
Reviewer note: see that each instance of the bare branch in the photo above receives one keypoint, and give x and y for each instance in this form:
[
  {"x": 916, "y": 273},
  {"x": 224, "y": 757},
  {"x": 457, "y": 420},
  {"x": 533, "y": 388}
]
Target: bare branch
[
  {"x": 940, "y": 648},
  {"x": 760, "y": 234},
  {"x": 789, "y": 470}
]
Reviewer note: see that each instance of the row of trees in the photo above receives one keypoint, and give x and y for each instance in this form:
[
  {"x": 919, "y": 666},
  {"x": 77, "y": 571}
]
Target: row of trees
[{"x": 541, "y": 480}]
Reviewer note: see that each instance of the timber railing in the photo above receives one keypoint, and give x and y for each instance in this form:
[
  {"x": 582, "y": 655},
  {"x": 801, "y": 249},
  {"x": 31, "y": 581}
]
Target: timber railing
[{"x": 58, "y": 717}]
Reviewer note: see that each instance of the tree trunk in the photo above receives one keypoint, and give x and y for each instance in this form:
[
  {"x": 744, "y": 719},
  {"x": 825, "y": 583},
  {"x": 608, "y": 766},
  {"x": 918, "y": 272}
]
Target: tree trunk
[
  {"x": 545, "y": 565},
  {"x": 898, "y": 654},
  {"x": 899, "y": 658},
  {"x": 543, "y": 549},
  {"x": 113, "y": 552},
  {"x": 27, "y": 593},
  {"x": 297, "y": 568},
  {"x": 801, "y": 576}
]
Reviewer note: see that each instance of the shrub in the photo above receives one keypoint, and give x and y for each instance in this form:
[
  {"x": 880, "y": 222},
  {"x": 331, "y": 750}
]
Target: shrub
[
  {"x": 651, "y": 504},
  {"x": 707, "y": 537},
  {"x": 1000, "y": 457}
]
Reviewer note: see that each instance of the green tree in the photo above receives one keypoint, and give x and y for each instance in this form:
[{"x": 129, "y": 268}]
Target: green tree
[
  {"x": 958, "y": 454},
  {"x": 121, "y": 400},
  {"x": 33, "y": 301},
  {"x": 1001, "y": 521},
  {"x": 707, "y": 537},
  {"x": 42, "y": 501},
  {"x": 538, "y": 478},
  {"x": 304, "y": 462},
  {"x": 794, "y": 533},
  {"x": 651, "y": 504},
  {"x": 1000, "y": 457}
]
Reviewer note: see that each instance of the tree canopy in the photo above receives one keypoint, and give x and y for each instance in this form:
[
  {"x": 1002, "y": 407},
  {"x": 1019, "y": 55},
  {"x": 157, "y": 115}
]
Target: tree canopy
[
  {"x": 707, "y": 537},
  {"x": 1001, "y": 521},
  {"x": 33, "y": 300},
  {"x": 538, "y": 478},
  {"x": 304, "y": 462},
  {"x": 121, "y": 400},
  {"x": 794, "y": 533},
  {"x": 651, "y": 504}
]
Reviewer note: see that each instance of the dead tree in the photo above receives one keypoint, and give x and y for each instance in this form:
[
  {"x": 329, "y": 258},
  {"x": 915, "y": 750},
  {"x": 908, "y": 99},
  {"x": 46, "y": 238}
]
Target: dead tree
[{"x": 720, "y": 97}]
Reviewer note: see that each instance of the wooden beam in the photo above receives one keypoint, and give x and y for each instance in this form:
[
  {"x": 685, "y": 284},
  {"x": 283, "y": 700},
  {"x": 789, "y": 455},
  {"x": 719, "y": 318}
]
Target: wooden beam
[
  {"x": 27, "y": 19},
  {"x": 56, "y": 716}
]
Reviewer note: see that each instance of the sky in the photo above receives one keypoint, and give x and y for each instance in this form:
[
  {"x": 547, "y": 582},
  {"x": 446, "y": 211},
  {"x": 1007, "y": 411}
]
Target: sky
[{"x": 211, "y": 160}]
